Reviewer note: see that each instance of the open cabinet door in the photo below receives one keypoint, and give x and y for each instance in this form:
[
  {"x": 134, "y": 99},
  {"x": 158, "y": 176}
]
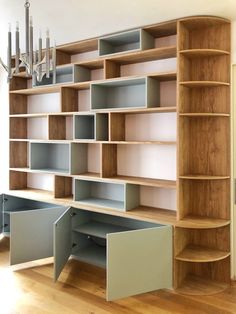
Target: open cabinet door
[
  {"x": 139, "y": 261},
  {"x": 31, "y": 234},
  {"x": 62, "y": 245}
]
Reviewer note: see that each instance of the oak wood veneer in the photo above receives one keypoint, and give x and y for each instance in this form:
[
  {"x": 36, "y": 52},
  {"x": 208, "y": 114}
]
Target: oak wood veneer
[{"x": 201, "y": 222}]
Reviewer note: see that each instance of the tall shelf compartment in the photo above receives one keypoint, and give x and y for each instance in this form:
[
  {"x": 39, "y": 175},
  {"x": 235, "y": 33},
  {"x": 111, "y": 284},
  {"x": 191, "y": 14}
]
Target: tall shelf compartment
[{"x": 145, "y": 130}]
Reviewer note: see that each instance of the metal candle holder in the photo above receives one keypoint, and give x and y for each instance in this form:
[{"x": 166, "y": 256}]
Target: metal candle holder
[{"x": 32, "y": 61}]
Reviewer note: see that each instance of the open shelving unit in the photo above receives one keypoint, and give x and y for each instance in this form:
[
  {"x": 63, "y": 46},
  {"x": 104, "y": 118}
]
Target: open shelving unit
[{"x": 142, "y": 118}]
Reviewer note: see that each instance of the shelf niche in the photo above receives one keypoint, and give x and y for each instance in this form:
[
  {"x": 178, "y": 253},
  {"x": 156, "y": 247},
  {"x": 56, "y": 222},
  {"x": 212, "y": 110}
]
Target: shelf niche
[
  {"x": 50, "y": 157},
  {"x": 125, "y": 41},
  {"x": 118, "y": 196},
  {"x": 205, "y": 146},
  {"x": 85, "y": 159},
  {"x": 125, "y": 94},
  {"x": 204, "y": 198}
]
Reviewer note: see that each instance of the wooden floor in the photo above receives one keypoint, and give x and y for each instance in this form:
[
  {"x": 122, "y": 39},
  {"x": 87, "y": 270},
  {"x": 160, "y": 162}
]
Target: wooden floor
[{"x": 32, "y": 291}]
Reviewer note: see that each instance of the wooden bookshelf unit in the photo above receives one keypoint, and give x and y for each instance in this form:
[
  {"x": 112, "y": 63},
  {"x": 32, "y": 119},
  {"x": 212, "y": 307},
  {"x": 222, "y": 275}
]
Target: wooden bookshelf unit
[{"x": 138, "y": 127}]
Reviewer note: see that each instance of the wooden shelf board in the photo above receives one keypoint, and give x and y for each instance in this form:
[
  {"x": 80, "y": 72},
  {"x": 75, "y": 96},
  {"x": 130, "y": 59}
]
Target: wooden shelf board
[
  {"x": 39, "y": 115},
  {"x": 162, "y": 29},
  {"x": 79, "y": 47},
  {"x": 99, "y": 229},
  {"x": 198, "y": 53},
  {"x": 203, "y": 177},
  {"x": 193, "y": 84},
  {"x": 195, "y": 285},
  {"x": 49, "y": 89},
  {"x": 150, "y": 214},
  {"x": 199, "y": 254},
  {"x": 138, "y": 110},
  {"x": 92, "y": 64},
  {"x": 199, "y": 222},
  {"x": 204, "y": 114},
  {"x": 141, "y": 142},
  {"x": 61, "y": 172},
  {"x": 198, "y": 22},
  {"x": 170, "y": 184},
  {"x": 145, "y": 55}
]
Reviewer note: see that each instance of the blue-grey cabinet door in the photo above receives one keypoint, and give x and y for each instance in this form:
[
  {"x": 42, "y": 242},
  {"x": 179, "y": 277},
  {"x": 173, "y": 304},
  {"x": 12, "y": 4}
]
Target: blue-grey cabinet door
[
  {"x": 139, "y": 261},
  {"x": 31, "y": 234},
  {"x": 62, "y": 245}
]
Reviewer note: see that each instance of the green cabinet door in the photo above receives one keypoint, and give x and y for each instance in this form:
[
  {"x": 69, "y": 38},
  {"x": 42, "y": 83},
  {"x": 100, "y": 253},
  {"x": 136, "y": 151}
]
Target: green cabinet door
[
  {"x": 139, "y": 261},
  {"x": 31, "y": 234},
  {"x": 62, "y": 243}
]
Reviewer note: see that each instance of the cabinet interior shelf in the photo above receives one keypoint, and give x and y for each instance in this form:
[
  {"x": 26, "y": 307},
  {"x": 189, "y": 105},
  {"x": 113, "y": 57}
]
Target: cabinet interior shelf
[
  {"x": 198, "y": 53},
  {"x": 196, "y": 285},
  {"x": 99, "y": 229},
  {"x": 92, "y": 254},
  {"x": 199, "y": 254}
]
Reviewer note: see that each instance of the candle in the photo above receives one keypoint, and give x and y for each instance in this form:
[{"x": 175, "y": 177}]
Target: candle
[
  {"x": 31, "y": 46},
  {"x": 9, "y": 52},
  {"x": 54, "y": 64},
  {"x": 17, "y": 47},
  {"x": 27, "y": 5},
  {"x": 47, "y": 54},
  {"x": 40, "y": 55}
]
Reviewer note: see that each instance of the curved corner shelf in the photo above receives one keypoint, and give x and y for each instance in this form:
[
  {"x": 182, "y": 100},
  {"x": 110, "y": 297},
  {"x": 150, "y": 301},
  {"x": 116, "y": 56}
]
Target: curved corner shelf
[
  {"x": 193, "y": 84},
  {"x": 195, "y": 285},
  {"x": 201, "y": 53},
  {"x": 203, "y": 177},
  {"x": 203, "y": 114},
  {"x": 199, "y": 222},
  {"x": 199, "y": 254}
]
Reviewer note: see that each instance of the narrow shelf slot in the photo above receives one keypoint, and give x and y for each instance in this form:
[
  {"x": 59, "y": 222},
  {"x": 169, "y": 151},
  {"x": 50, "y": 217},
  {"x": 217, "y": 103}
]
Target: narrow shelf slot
[
  {"x": 99, "y": 229},
  {"x": 200, "y": 254}
]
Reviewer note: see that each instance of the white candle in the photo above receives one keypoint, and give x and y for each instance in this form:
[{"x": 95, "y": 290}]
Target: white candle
[
  {"x": 27, "y": 5},
  {"x": 47, "y": 54},
  {"x": 40, "y": 55},
  {"x": 17, "y": 47},
  {"x": 31, "y": 46},
  {"x": 9, "y": 52},
  {"x": 54, "y": 63}
]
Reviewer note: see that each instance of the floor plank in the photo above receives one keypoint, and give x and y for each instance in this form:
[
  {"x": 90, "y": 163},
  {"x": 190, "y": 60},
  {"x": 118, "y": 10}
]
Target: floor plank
[{"x": 81, "y": 290}]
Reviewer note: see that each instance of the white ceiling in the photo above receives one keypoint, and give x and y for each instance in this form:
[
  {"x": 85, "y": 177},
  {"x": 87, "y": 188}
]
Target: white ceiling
[{"x": 73, "y": 20}]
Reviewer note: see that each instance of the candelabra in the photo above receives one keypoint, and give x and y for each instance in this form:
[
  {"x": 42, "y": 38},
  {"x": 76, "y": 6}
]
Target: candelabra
[{"x": 34, "y": 63}]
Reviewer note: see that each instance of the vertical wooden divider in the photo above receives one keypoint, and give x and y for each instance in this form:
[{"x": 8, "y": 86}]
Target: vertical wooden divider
[
  {"x": 108, "y": 160},
  {"x": 69, "y": 99},
  {"x": 116, "y": 126},
  {"x": 111, "y": 69}
]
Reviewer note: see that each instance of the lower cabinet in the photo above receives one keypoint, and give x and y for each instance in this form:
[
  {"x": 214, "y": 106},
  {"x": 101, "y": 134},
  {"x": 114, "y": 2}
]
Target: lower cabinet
[
  {"x": 137, "y": 255},
  {"x": 29, "y": 224}
]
